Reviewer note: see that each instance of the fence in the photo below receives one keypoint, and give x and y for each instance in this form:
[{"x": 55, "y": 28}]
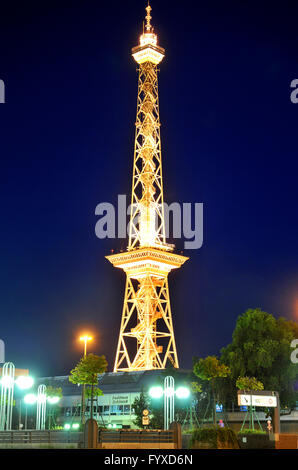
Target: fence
[
  {"x": 140, "y": 436},
  {"x": 139, "y": 439},
  {"x": 40, "y": 437}
]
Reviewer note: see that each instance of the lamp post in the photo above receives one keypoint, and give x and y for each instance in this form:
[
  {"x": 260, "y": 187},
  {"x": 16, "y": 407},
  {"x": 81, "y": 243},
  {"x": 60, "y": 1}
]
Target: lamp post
[
  {"x": 40, "y": 399},
  {"x": 169, "y": 392},
  {"x": 7, "y": 393},
  {"x": 52, "y": 401},
  {"x": 29, "y": 399},
  {"x": 84, "y": 338},
  {"x": 6, "y": 401},
  {"x": 23, "y": 382},
  {"x": 41, "y": 407}
]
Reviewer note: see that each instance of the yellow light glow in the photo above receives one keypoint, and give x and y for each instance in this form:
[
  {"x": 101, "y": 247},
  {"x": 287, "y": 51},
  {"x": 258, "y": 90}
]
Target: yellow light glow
[
  {"x": 148, "y": 38},
  {"x": 148, "y": 55},
  {"x": 86, "y": 338}
]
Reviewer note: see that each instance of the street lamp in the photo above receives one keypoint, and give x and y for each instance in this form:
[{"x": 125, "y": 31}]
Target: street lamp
[
  {"x": 8, "y": 381},
  {"x": 52, "y": 401},
  {"x": 29, "y": 399},
  {"x": 23, "y": 382},
  {"x": 169, "y": 393},
  {"x": 84, "y": 338},
  {"x": 41, "y": 407}
]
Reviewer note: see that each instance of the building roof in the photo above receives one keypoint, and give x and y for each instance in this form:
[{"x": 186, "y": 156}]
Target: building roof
[{"x": 113, "y": 382}]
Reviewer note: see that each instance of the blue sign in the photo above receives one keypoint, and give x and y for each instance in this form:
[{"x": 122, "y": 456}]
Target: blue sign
[
  {"x": 243, "y": 408},
  {"x": 218, "y": 408}
]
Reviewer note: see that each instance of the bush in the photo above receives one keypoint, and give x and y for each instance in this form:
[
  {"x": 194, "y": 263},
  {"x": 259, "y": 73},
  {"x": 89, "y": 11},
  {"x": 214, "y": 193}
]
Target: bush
[
  {"x": 251, "y": 431},
  {"x": 214, "y": 438}
]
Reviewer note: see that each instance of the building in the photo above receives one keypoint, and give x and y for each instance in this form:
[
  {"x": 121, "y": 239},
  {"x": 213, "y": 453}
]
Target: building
[{"x": 115, "y": 407}]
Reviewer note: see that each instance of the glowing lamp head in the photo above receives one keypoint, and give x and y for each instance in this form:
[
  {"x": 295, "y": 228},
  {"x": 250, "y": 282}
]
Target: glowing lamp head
[
  {"x": 42, "y": 398},
  {"x": 66, "y": 426},
  {"x": 53, "y": 400},
  {"x": 156, "y": 392},
  {"x": 86, "y": 338},
  {"x": 24, "y": 382},
  {"x": 182, "y": 392},
  {"x": 7, "y": 381},
  {"x": 30, "y": 399}
]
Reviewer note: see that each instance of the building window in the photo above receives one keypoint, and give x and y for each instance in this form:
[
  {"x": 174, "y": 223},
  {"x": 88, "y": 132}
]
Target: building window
[
  {"x": 116, "y": 410},
  {"x": 126, "y": 409},
  {"x": 106, "y": 410}
]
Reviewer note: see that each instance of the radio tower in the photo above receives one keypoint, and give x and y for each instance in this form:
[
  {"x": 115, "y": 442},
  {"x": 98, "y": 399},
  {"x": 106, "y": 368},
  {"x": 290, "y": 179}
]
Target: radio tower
[{"x": 146, "y": 339}]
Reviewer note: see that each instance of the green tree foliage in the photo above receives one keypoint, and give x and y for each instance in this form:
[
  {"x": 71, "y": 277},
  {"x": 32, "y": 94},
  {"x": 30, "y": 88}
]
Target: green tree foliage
[
  {"x": 249, "y": 384},
  {"x": 261, "y": 348},
  {"x": 195, "y": 387},
  {"x": 140, "y": 403},
  {"x": 210, "y": 368},
  {"x": 86, "y": 372},
  {"x": 213, "y": 371},
  {"x": 53, "y": 391},
  {"x": 97, "y": 392}
]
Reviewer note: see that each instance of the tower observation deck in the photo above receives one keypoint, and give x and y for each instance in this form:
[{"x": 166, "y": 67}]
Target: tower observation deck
[{"x": 146, "y": 339}]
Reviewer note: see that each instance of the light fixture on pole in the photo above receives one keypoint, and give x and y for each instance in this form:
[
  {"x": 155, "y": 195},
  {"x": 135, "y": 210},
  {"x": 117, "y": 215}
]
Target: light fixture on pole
[
  {"x": 84, "y": 338},
  {"x": 6, "y": 400},
  {"x": 169, "y": 403},
  {"x": 29, "y": 399},
  {"x": 41, "y": 407},
  {"x": 168, "y": 391},
  {"x": 23, "y": 382}
]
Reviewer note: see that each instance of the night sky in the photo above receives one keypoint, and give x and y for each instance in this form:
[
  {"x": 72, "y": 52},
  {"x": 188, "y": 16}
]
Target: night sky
[{"x": 229, "y": 140}]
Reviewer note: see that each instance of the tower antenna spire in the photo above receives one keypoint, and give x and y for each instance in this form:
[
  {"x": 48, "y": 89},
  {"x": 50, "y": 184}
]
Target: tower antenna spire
[{"x": 148, "y": 17}]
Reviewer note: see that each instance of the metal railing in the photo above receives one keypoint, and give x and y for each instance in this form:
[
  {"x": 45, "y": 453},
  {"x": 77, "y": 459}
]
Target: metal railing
[
  {"x": 136, "y": 436},
  {"x": 46, "y": 437}
]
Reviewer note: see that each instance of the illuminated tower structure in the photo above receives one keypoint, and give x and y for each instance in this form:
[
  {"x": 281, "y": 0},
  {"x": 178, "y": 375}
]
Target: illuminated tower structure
[{"x": 146, "y": 339}]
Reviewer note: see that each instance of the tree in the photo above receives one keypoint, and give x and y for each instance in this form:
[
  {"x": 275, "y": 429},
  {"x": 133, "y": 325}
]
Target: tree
[
  {"x": 140, "y": 403},
  {"x": 211, "y": 369},
  {"x": 86, "y": 372},
  {"x": 53, "y": 391},
  {"x": 249, "y": 384},
  {"x": 97, "y": 392},
  {"x": 261, "y": 348}
]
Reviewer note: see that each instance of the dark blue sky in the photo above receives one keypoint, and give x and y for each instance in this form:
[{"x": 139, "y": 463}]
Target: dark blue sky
[{"x": 229, "y": 139}]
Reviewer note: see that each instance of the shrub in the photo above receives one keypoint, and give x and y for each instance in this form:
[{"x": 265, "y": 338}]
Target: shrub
[
  {"x": 251, "y": 431},
  {"x": 214, "y": 437}
]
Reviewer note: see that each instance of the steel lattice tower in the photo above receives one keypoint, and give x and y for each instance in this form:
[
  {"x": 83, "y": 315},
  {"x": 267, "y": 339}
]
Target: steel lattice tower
[{"x": 146, "y": 339}]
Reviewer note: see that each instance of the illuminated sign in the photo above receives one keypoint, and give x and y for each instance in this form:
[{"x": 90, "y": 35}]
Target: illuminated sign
[
  {"x": 120, "y": 400},
  {"x": 257, "y": 400}
]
